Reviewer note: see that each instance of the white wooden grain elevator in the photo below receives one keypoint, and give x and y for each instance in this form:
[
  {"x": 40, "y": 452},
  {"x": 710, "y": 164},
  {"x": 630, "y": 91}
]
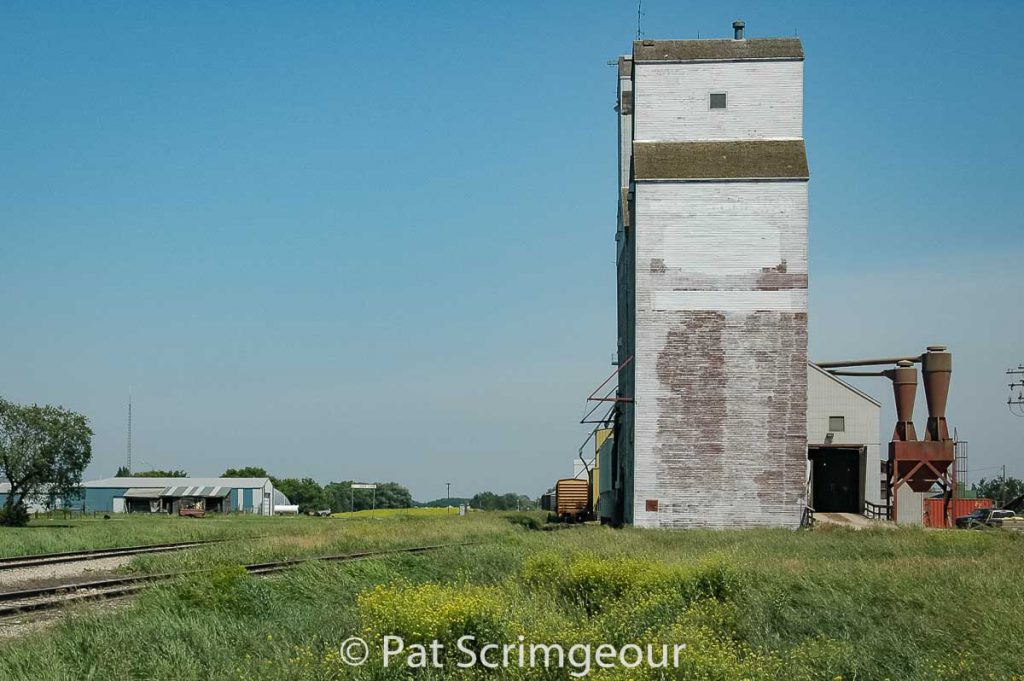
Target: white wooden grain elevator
[{"x": 710, "y": 426}]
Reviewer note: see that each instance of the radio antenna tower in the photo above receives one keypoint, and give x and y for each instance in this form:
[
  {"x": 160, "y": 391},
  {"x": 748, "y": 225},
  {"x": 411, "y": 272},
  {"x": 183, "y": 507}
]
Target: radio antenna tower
[
  {"x": 639, "y": 19},
  {"x": 129, "y": 451},
  {"x": 1016, "y": 402}
]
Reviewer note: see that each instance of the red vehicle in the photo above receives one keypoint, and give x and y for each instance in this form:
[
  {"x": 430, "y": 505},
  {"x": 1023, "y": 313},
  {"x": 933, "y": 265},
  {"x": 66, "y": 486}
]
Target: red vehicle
[{"x": 191, "y": 509}]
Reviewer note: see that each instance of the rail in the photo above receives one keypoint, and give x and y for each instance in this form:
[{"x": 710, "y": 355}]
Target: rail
[
  {"x": 874, "y": 511},
  {"x": 14, "y": 562},
  {"x": 807, "y": 517},
  {"x": 13, "y": 603}
]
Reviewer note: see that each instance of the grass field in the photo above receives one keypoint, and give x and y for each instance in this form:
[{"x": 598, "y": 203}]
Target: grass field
[
  {"x": 53, "y": 536},
  {"x": 400, "y": 512},
  {"x": 898, "y": 604}
]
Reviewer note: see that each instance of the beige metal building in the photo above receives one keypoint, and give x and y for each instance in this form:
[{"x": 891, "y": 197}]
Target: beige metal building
[{"x": 843, "y": 448}]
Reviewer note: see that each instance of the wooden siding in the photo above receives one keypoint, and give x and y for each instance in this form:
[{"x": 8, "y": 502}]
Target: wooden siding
[
  {"x": 764, "y": 101},
  {"x": 721, "y": 354},
  {"x": 694, "y": 231}
]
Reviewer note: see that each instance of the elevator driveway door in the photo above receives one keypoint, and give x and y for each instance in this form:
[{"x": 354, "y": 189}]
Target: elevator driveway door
[{"x": 835, "y": 480}]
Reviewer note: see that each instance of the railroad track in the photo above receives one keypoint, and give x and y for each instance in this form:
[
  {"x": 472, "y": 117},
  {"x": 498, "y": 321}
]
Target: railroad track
[
  {"x": 13, "y": 603},
  {"x": 37, "y": 560}
]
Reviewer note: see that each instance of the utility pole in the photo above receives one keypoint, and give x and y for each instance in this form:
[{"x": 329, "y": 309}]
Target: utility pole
[
  {"x": 449, "y": 486},
  {"x": 1003, "y": 500},
  {"x": 129, "y": 452}
]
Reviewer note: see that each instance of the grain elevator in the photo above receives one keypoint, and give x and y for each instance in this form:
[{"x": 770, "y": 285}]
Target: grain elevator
[{"x": 710, "y": 411}]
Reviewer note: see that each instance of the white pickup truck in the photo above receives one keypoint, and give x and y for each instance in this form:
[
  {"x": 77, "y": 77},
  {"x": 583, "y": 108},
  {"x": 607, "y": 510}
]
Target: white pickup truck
[{"x": 991, "y": 517}]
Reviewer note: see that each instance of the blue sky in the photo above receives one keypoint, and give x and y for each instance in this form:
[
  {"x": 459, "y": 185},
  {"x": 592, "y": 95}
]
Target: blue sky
[{"x": 357, "y": 240}]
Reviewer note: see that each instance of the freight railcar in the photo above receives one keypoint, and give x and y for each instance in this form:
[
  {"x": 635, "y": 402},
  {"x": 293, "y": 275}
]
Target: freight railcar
[{"x": 572, "y": 500}]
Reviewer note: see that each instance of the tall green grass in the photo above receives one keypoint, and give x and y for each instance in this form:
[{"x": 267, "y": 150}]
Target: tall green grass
[
  {"x": 54, "y": 536},
  {"x": 900, "y": 604}
]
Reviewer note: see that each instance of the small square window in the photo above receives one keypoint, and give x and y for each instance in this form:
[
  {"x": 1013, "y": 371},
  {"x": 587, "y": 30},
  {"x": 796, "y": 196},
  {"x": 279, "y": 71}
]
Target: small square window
[
  {"x": 837, "y": 424},
  {"x": 717, "y": 100}
]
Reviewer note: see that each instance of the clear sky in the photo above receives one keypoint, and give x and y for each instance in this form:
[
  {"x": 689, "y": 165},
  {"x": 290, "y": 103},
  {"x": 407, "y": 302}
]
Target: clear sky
[{"x": 376, "y": 241}]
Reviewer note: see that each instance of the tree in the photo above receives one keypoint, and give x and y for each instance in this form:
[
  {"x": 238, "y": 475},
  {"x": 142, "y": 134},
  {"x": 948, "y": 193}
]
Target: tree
[
  {"x": 122, "y": 472},
  {"x": 305, "y": 493},
  {"x": 246, "y": 472},
  {"x": 160, "y": 474},
  {"x": 43, "y": 450},
  {"x": 1001, "y": 490},
  {"x": 510, "y": 501},
  {"x": 393, "y": 495},
  {"x": 341, "y": 497},
  {"x": 445, "y": 501},
  {"x": 337, "y": 495}
]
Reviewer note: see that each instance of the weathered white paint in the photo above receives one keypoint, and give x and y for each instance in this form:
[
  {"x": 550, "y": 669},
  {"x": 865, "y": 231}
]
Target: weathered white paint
[
  {"x": 720, "y": 419},
  {"x": 720, "y": 362},
  {"x": 716, "y": 298},
  {"x": 723, "y": 227},
  {"x": 730, "y": 301},
  {"x": 764, "y": 100},
  {"x": 828, "y": 396}
]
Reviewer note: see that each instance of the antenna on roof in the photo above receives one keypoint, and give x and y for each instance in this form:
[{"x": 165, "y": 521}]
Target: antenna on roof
[{"x": 639, "y": 19}]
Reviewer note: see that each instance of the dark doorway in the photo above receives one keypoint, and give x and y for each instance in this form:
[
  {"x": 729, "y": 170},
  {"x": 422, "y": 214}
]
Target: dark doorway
[{"x": 835, "y": 480}]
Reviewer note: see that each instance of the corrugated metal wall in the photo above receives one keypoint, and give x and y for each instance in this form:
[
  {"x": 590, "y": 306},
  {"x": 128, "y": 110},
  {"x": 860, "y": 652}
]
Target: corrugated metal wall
[
  {"x": 909, "y": 506},
  {"x": 827, "y": 396},
  {"x": 933, "y": 510},
  {"x": 102, "y": 498}
]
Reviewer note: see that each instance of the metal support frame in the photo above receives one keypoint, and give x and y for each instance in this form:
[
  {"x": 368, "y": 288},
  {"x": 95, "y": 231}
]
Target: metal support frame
[
  {"x": 593, "y": 396},
  {"x": 946, "y": 481},
  {"x": 608, "y": 397}
]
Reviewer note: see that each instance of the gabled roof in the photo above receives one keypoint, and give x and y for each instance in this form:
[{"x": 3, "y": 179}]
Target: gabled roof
[
  {"x": 177, "y": 482},
  {"x": 753, "y": 49},
  {"x": 846, "y": 385}
]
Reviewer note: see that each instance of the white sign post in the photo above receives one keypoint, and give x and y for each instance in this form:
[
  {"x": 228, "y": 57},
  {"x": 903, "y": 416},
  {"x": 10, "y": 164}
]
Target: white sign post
[{"x": 364, "y": 485}]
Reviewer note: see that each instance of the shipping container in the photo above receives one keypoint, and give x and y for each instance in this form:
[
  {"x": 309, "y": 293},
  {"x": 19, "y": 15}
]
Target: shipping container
[
  {"x": 957, "y": 508},
  {"x": 572, "y": 499}
]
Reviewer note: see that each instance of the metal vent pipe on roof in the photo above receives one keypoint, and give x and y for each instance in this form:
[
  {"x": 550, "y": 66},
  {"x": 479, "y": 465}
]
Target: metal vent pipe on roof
[{"x": 737, "y": 27}]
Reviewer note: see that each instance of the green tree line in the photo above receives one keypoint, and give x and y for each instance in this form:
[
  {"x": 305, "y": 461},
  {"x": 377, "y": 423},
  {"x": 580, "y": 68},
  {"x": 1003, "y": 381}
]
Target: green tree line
[{"x": 309, "y": 495}]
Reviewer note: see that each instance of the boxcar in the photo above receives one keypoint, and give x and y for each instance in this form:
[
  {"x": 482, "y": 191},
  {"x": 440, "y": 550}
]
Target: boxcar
[{"x": 572, "y": 500}]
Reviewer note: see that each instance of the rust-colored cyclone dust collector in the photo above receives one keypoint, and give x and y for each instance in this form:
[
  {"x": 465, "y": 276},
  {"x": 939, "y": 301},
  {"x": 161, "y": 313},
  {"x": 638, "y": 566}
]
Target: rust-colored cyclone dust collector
[
  {"x": 937, "y": 368},
  {"x": 921, "y": 464},
  {"x": 904, "y": 388}
]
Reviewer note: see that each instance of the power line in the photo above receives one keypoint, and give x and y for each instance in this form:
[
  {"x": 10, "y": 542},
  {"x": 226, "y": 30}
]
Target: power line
[{"x": 1016, "y": 404}]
